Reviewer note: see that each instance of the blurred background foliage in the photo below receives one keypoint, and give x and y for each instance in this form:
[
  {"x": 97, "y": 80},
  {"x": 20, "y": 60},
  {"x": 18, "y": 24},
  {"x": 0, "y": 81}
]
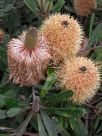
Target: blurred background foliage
[{"x": 57, "y": 115}]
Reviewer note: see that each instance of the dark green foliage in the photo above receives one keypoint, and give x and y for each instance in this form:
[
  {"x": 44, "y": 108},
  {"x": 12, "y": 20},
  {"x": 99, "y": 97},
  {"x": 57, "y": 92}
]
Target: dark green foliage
[{"x": 56, "y": 115}]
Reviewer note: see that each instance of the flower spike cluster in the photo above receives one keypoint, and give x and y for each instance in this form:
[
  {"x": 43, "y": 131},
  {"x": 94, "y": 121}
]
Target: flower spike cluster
[
  {"x": 26, "y": 56},
  {"x": 58, "y": 41}
]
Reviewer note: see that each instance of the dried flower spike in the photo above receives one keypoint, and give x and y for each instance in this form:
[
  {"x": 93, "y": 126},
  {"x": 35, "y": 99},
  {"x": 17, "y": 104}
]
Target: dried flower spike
[
  {"x": 64, "y": 36},
  {"x": 28, "y": 58},
  {"x": 84, "y": 7},
  {"x": 81, "y": 76}
]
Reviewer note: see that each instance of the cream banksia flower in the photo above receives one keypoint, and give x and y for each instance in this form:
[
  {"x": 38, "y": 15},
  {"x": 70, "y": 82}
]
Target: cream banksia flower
[
  {"x": 64, "y": 36},
  {"x": 81, "y": 76},
  {"x": 28, "y": 58},
  {"x": 84, "y": 7}
]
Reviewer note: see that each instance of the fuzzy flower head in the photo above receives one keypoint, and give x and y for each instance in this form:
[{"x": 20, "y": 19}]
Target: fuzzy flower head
[
  {"x": 84, "y": 7},
  {"x": 28, "y": 58},
  {"x": 64, "y": 36},
  {"x": 81, "y": 76}
]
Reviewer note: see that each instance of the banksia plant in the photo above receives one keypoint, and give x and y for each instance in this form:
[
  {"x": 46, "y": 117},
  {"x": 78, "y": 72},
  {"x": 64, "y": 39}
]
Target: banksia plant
[
  {"x": 64, "y": 35},
  {"x": 81, "y": 76},
  {"x": 28, "y": 58},
  {"x": 84, "y": 7}
]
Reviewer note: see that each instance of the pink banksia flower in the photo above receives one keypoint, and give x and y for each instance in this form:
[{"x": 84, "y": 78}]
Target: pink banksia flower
[
  {"x": 84, "y": 7},
  {"x": 81, "y": 76},
  {"x": 64, "y": 36},
  {"x": 28, "y": 58}
]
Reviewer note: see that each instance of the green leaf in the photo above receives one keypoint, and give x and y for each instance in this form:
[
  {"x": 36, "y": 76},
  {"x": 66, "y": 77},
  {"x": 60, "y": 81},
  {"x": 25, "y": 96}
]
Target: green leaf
[
  {"x": 57, "y": 7},
  {"x": 98, "y": 53},
  {"x": 91, "y": 24},
  {"x": 68, "y": 112},
  {"x": 59, "y": 97},
  {"x": 13, "y": 112},
  {"x": 20, "y": 130},
  {"x": 48, "y": 84},
  {"x": 2, "y": 99},
  {"x": 99, "y": 2},
  {"x": 7, "y": 2},
  {"x": 78, "y": 127},
  {"x": 42, "y": 131},
  {"x": 11, "y": 102},
  {"x": 8, "y": 8},
  {"x": 3, "y": 114},
  {"x": 31, "y": 4},
  {"x": 96, "y": 35},
  {"x": 48, "y": 6},
  {"x": 50, "y": 127},
  {"x": 5, "y": 135},
  {"x": 14, "y": 103}
]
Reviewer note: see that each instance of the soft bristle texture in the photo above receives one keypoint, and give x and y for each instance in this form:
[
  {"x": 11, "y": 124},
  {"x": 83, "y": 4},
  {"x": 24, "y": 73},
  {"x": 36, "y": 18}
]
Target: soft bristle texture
[
  {"x": 81, "y": 76},
  {"x": 84, "y": 7},
  {"x": 27, "y": 67},
  {"x": 64, "y": 36}
]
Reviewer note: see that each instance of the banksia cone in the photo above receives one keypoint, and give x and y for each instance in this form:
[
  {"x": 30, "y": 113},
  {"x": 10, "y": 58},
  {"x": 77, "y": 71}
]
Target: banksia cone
[
  {"x": 84, "y": 7},
  {"x": 81, "y": 76},
  {"x": 64, "y": 35},
  {"x": 28, "y": 58}
]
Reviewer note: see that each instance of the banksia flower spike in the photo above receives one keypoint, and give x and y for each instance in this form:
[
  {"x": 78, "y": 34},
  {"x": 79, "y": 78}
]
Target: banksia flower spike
[
  {"x": 84, "y": 7},
  {"x": 28, "y": 58},
  {"x": 81, "y": 76},
  {"x": 64, "y": 36}
]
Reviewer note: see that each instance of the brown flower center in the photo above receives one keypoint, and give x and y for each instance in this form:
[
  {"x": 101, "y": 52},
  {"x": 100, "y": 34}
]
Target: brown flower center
[
  {"x": 65, "y": 23},
  {"x": 83, "y": 69},
  {"x": 31, "y": 38}
]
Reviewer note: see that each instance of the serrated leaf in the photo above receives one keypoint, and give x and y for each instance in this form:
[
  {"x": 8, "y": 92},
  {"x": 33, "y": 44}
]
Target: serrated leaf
[
  {"x": 68, "y": 112},
  {"x": 2, "y": 99},
  {"x": 31, "y": 4},
  {"x": 50, "y": 127},
  {"x": 48, "y": 7},
  {"x": 59, "y": 97},
  {"x": 57, "y": 7},
  {"x": 96, "y": 34},
  {"x": 3, "y": 114},
  {"x": 91, "y": 24},
  {"x": 7, "y": 2},
  {"x": 42, "y": 131},
  {"x": 78, "y": 127},
  {"x": 13, "y": 112},
  {"x": 98, "y": 53},
  {"x": 8, "y": 8}
]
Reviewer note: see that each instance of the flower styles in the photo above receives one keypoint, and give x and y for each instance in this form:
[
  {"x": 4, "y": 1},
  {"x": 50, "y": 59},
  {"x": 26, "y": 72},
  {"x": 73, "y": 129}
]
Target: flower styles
[
  {"x": 81, "y": 76},
  {"x": 64, "y": 36},
  {"x": 28, "y": 57},
  {"x": 84, "y": 7}
]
